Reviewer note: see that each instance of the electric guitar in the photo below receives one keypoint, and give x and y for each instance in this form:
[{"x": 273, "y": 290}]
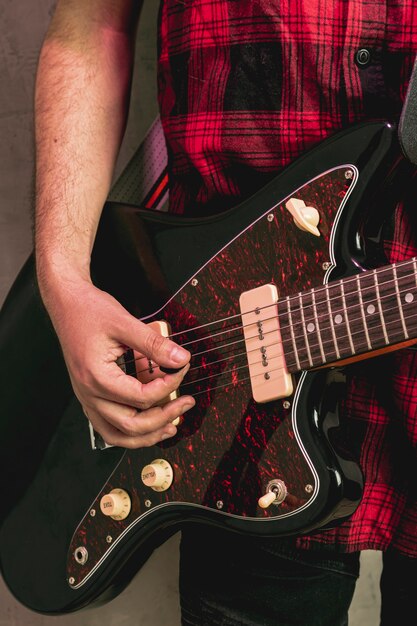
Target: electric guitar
[{"x": 273, "y": 298}]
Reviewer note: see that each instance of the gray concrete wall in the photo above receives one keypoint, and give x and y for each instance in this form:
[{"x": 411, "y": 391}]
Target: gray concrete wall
[{"x": 152, "y": 598}]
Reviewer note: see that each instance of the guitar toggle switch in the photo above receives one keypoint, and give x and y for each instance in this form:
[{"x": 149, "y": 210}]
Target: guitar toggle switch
[{"x": 276, "y": 492}]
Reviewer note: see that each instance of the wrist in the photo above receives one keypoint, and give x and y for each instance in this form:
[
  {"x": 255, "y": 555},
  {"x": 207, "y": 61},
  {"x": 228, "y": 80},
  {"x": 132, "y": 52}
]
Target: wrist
[{"x": 59, "y": 277}]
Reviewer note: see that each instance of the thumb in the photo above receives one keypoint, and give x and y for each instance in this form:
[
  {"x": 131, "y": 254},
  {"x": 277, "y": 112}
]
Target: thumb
[{"x": 143, "y": 338}]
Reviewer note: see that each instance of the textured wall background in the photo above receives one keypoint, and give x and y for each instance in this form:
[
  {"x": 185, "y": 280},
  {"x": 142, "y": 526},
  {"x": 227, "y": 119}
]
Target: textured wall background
[
  {"x": 23, "y": 25},
  {"x": 152, "y": 598}
]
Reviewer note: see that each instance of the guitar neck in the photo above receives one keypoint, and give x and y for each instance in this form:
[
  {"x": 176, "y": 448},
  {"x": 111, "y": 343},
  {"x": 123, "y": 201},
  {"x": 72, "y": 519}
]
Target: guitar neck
[{"x": 359, "y": 314}]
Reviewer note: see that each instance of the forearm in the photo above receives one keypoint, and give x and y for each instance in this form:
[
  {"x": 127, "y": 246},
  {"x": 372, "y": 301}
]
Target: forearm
[{"x": 81, "y": 103}]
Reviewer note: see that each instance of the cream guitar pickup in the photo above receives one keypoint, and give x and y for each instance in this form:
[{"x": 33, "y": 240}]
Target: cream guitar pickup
[{"x": 270, "y": 379}]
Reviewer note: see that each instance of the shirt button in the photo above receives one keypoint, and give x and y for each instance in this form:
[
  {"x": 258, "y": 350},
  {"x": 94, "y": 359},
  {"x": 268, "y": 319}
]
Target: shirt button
[{"x": 362, "y": 57}]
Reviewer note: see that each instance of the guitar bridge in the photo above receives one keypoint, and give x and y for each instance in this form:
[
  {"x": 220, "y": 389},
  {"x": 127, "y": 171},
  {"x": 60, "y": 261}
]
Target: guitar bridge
[{"x": 270, "y": 379}]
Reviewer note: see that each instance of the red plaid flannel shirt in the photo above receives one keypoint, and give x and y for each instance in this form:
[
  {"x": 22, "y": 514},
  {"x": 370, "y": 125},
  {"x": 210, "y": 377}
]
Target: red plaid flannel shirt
[{"x": 247, "y": 86}]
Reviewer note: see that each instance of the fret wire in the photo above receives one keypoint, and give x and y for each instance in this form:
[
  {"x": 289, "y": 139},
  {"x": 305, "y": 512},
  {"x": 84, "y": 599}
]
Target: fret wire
[
  {"x": 331, "y": 322},
  {"x": 363, "y": 346},
  {"x": 323, "y": 357},
  {"x": 381, "y": 313},
  {"x": 327, "y": 304},
  {"x": 363, "y": 313},
  {"x": 292, "y": 332},
  {"x": 305, "y": 330},
  {"x": 415, "y": 269},
  {"x": 380, "y": 271},
  {"x": 394, "y": 270},
  {"x": 352, "y": 279},
  {"x": 352, "y": 347},
  {"x": 394, "y": 321}
]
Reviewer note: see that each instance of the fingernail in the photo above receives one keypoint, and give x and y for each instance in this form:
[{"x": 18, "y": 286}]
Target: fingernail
[{"x": 178, "y": 354}]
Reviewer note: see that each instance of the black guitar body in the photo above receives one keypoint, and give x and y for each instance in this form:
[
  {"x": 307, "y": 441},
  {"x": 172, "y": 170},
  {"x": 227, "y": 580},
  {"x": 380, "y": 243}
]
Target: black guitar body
[{"x": 58, "y": 552}]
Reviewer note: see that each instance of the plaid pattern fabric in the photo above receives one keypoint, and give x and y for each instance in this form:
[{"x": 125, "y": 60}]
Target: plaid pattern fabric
[{"x": 245, "y": 87}]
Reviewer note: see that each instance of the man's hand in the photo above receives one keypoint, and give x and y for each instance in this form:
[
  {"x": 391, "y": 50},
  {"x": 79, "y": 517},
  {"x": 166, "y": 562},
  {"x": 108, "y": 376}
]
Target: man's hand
[{"x": 94, "y": 331}]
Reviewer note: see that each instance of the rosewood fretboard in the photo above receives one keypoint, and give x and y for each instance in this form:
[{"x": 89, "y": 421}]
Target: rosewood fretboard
[{"x": 358, "y": 314}]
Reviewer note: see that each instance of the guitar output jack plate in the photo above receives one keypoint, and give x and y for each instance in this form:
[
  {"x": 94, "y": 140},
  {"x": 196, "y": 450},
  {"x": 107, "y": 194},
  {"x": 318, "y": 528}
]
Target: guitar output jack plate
[{"x": 81, "y": 555}]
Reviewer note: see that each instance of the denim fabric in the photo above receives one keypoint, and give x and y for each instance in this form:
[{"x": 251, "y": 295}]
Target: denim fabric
[
  {"x": 398, "y": 590},
  {"x": 233, "y": 580}
]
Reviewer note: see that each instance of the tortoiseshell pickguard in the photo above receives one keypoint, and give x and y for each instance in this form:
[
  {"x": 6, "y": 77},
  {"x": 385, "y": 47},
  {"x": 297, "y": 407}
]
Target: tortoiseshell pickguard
[{"x": 227, "y": 447}]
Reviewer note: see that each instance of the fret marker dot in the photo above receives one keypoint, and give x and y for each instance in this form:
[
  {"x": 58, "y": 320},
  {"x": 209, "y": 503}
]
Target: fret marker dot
[
  {"x": 310, "y": 327},
  {"x": 370, "y": 309},
  {"x": 409, "y": 297},
  {"x": 338, "y": 319}
]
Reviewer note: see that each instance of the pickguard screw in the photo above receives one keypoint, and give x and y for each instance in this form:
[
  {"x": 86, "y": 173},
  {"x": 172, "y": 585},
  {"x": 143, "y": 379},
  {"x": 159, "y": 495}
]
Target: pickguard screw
[
  {"x": 71, "y": 580},
  {"x": 194, "y": 282},
  {"x": 219, "y": 504},
  {"x": 148, "y": 503},
  {"x": 109, "y": 538},
  {"x": 286, "y": 404},
  {"x": 270, "y": 217},
  {"x": 348, "y": 174},
  {"x": 325, "y": 266},
  {"x": 92, "y": 512},
  {"x": 308, "y": 488}
]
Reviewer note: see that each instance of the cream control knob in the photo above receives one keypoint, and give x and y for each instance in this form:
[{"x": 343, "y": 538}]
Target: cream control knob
[
  {"x": 276, "y": 492},
  {"x": 305, "y": 217},
  {"x": 158, "y": 475},
  {"x": 116, "y": 504}
]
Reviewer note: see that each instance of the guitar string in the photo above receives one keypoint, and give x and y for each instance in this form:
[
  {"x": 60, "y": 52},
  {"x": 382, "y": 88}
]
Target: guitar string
[
  {"x": 246, "y": 380},
  {"x": 285, "y": 367},
  {"x": 231, "y": 382},
  {"x": 317, "y": 290},
  {"x": 313, "y": 347},
  {"x": 305, "y": 308},
  {"x": 283, "y": 327}
]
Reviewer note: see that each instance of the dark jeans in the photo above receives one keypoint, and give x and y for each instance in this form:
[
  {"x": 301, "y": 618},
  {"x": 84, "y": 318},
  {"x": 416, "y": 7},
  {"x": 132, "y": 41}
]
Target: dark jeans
[
  {"x": 398, "y": 590},
  {"x": 232, "y": 580}
]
